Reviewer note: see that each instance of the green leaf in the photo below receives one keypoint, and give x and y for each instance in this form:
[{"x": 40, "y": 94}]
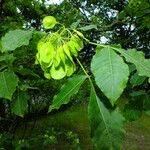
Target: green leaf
[
  {"x": 8, "y": 58},
  {"x": 138, "y": 59},
  {"x": 132, "y": 114},
  {"x": 137, "y": 80},
  {"x": 74, "y": 25},
  {"x": 68, "y": 89},
  {"x": 0, "y": 45},
  {"x": 122, "y": 15},
  {"x": 89, "y": 27},
  {"x": 147, "y": 112},
  {"x": 25, "y": 71},
  {"x": 3, "y": 67},
  {"x": 8, "y": 83},
  {"x": 132, "y": 68},
  {"x": 106, "y": 127},
  {"x": 111, "y": 73},
  {"x": 137, "y": 93},
  {"x": 20, "y": 104},
  {"x": 14, "y": 39},
  {"x": 133, "y": 109},
  {"x": 146, "y": 104}
]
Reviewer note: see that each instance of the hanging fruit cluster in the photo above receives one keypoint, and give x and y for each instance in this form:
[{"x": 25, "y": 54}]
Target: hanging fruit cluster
[{"x": 56, "y": 51}]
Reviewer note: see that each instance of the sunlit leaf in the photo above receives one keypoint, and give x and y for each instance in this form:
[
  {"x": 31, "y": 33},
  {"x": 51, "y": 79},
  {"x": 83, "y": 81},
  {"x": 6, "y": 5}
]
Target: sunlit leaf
[
  {"x": 110, "y": 72},
  {"x": 14, "y": 39}
]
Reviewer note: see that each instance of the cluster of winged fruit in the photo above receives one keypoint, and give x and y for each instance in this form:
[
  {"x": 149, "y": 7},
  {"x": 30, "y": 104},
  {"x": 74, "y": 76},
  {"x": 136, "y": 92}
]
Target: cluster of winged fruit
[{"x": 56, "y": 51}]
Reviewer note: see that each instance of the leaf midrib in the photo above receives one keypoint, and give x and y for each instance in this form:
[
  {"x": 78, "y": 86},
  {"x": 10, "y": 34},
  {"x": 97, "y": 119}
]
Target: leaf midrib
[
  {"x": 111, "y": 70},
  {"x": 66, "y": 94},
  {"x": 105, "y": 124}
]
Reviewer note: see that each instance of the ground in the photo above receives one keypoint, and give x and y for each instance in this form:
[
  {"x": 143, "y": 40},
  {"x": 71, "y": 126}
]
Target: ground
[{"x": 75, "y": 120}]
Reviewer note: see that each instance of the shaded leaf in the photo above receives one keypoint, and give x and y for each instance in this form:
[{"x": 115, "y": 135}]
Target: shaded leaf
[
  {"x": 14, "y": 39},
  {"x": 89, "y": 27},
  {"x": 106, "y": 127},
  {"x": 8, "y": 83},
  {"x": 137, "y": 93},
  {"x": 136, "y": 104},
  {"x": 0, "y": 45},
  {"x": 25, "y": 71},
  {"x": 74, "y": 25},
  {"x": 68, "y": 89},
  {"x": 146, "y": 104},
  {"x": 20, "y": 104},
  {"x": 8, "y": 58},
  {"x": 111, "y": 73},
  {"x": 3, "y": 67},
  {"x": 132, "y": 68},
  {"x": 131, "y": 113},
  {"x": 147, "y": 112},
  {"x": 137, "y": 80}
]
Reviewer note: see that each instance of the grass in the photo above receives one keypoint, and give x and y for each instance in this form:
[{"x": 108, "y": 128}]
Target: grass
[
  {"x": 138, "y": 134},
  {"x": 75, "y": 119}
]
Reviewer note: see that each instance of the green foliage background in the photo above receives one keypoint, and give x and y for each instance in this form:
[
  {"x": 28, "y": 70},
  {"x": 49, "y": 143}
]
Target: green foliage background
[{"x": 120, "y": 24}]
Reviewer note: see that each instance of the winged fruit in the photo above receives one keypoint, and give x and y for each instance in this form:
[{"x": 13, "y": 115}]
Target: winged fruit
[
  {"x": 55, "y": 51},
  {"x": 49, "y": 22},
  {"x": 46, "y": 52}
]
